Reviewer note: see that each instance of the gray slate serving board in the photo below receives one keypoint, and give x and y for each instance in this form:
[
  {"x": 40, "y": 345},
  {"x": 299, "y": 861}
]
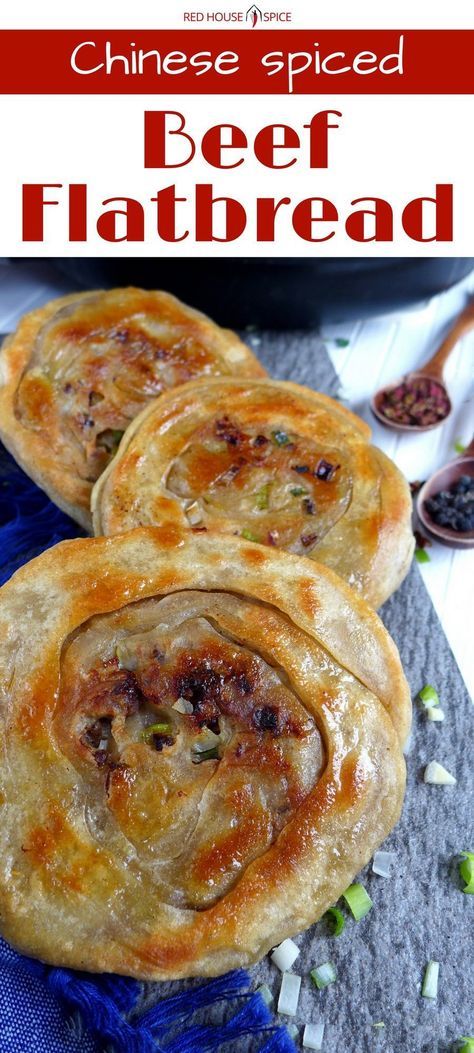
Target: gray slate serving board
[{"x": 419, "y": 912}]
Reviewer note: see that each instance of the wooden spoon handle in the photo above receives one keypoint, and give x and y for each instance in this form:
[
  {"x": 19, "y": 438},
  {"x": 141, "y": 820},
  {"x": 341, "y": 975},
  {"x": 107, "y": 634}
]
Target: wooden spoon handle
[{"x": 464, "y": 322}]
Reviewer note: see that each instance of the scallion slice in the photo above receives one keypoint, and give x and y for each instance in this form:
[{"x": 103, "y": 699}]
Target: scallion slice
[
  {"x": 183, "y": 706},
  {"x": 285, "y": 955},
  {"x": 249, "y": 535},
  {"x": 466, "y": 870},
  {"x": 382, "y": 862},
  {"x": 421, "y": 555},
  {"x": 265, "y": 993},
  {"x": 280, "y": 438},
  {"x": 467, "y": 1044},
  {"x": 198, "y": 758},
  {"x": 298, "y": 491},
  {"x": 289, "y": 994},
  {"x": 313, "y": 1036},
  {"x": 358, "y": 901},
  {"x": 262, "y": 497},
  {"x": 435, "y": 713},
  {"x": 430, "y": 980},
  {"x": 437, "y": 775},
  {"x": 336, "y": 920},
  {"x": 323, "y": 975},
  {"x": 156, "y": 729},
  {"x": 429, "y": 696},
  {"x": 292, "y": 1031}
]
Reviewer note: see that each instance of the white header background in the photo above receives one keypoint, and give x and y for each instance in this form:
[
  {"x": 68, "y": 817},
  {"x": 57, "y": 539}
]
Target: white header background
[{"x": 394, "y": 147}]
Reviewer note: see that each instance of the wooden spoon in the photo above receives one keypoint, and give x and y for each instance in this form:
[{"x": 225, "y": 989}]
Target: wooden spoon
[
  {"x": 432, "y": 370},
  {"x": 444, "y": 479}
]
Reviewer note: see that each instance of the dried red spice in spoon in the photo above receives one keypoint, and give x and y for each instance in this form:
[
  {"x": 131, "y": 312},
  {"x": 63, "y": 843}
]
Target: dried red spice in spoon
[
  {"x": 420, "y": 400},
  {"x": 417, "y": 400}
]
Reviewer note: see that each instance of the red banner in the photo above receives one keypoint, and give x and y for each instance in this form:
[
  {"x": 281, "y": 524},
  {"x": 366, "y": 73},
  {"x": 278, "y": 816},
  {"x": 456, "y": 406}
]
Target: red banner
[{"x": 230, "y": 62}]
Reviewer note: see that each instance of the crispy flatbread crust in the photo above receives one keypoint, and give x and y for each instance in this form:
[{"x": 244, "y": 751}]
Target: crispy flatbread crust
[
  {"x": 234, "y": 455},
  {"x": 79, "y": 369},
  {"x": 117, "y": 852}
]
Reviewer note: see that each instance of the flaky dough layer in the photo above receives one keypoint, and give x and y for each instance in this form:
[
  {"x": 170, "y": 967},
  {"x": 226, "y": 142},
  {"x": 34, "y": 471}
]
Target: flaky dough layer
[
  {"x": 303, "y": 688},
  {"x": 273, "y": 461}
]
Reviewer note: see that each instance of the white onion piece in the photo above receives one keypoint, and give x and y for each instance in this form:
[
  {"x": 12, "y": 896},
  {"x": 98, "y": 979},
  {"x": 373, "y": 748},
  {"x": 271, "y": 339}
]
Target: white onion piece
[
  {"x": 435, "y": 713},
  {"x": 313, "y": 1036},
  {"x": 437, "y": 775},
  {"x": 183, "y": 706},
  {"x": 289, "y": 994},
  {"x": 430, "y": 980},
  {"x": 206, "y": 741},
  {"x": 382, "y": 862},
  {"x": 285, "y": 955}
]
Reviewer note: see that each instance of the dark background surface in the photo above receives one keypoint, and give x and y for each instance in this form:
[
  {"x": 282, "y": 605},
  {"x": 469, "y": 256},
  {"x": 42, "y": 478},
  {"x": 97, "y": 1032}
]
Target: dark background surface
[{"x": 286, "y": 293}]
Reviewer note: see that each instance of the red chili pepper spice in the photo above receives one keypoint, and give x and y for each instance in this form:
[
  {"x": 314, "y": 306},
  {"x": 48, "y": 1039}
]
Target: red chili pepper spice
[{"x": 420, "y": 401}]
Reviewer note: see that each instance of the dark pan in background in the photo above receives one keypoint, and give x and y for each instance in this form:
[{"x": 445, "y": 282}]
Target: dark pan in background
[{"x": 286, "y": 293}]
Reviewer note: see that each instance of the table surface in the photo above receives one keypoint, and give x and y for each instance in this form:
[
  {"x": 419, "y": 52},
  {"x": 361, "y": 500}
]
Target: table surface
[{"x": 365, "y": 355}]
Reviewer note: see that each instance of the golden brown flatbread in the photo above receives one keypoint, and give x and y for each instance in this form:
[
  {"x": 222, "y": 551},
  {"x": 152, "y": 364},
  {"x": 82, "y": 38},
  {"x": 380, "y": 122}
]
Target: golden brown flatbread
[
  {"x": 201, "y": 746},
  {"x": 272, "y": 461},
  {"x": 77, "y": 371}
]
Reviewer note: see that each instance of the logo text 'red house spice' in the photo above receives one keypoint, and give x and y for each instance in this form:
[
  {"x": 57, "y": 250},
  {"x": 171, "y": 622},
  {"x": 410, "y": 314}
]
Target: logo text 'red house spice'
[{"x": 253, "y": 16}]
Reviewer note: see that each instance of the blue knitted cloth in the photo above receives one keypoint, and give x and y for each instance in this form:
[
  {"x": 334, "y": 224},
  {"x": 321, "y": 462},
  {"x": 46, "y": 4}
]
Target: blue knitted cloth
[{"x": 48, "y": 1010}]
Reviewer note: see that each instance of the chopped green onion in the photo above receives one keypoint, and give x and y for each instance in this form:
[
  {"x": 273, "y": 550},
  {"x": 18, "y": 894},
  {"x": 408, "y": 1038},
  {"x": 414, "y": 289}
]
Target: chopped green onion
[
  {"x": 156, "y": 729},
  {"x": 429, "y": 696},
  {"x": 292, "y": 1031},
  {"x": 198, "y": 758},
  {"x": 265, "y": 993},
  {"x": 313, "y": 1036},
  {"x": 466, "y": 870},
  {"x": 298, "y": 491},
  {"x": 467, "y": 1046},
  {"x": 379, "y": 1023},
  {"x": 323, "y": 975},
  {"x": 358, "y": 901},
  {"x": 430, "y": 981},
  {"x": 262, "y": 496},
  {"x": 280, "y": 438},
  {"x": 459, "y": 446},
  {"x": 285, "y": 955},
  {"x": 249, "y": 535},
  {"x": 437, "y": 775},
  {"x": 336, "y": 920},
  {"x": 289, "y": 994},
  {"x": 435, "y": 713},
  {"x": 341, "y": 341},
  {"x": 421, "y": 555}
]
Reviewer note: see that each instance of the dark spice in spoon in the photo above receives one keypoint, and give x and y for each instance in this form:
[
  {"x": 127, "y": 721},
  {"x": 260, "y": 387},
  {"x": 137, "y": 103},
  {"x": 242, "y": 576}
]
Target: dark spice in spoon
[
  {"x": 419, "y": 401},
  {"x": 454, "y": 508}
]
